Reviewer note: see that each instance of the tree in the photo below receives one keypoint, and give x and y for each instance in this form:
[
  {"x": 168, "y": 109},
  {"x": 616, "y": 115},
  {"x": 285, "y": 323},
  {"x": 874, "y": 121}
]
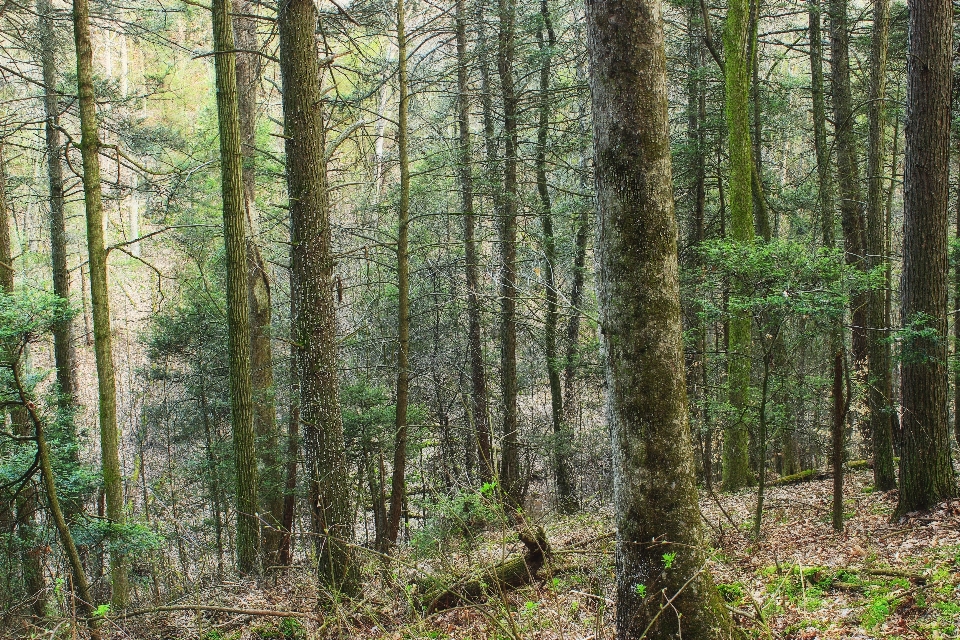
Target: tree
[
  {"x": 659, "y": 557},
  {"x": 879, "y": 375},
  {"x": 100, "y": 296},
  {"x": 926, "y": 473},
  {"x": 238, "y": 327},
  {"x": 566, "y": 499},
  {"x": 315, "y": 321},
  {"x": 736, "y": 46},
  {"x": 270, "y": 491},
  {"x": 398, "y": 485},
  {"x": 478, "y": 382},
  {"x": 510, "y": 447}
]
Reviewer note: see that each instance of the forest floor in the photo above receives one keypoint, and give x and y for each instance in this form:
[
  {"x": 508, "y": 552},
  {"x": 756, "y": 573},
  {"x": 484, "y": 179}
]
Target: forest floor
[{"x": 801, "y": 581}]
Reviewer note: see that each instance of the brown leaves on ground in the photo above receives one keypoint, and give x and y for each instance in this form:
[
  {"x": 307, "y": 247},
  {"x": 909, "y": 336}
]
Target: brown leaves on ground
[{"x": 800, "y": 581}]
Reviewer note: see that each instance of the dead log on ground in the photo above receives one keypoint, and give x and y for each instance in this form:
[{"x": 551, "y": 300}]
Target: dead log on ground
[{"x": 511, "y": 574}]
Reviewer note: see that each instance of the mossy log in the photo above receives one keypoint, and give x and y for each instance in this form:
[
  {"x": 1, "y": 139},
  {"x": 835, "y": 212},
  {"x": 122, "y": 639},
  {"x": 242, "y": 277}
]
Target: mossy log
[
  {"x": 803, "y": 476},
  {"x": 513, "y": 573}
]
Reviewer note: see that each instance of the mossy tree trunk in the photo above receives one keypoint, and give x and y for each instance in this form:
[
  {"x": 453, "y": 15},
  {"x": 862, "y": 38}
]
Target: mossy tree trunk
[
  {"x": 270, "y": 491},
  {"x": 926, "y": 473},
  {"x": 655, "y": 495},
  {"x": 313, "y": 291},
  {"x": 736, "y": 45},
  {"x": 238, "y": 311},
  {"x": 99, "y": 296}
]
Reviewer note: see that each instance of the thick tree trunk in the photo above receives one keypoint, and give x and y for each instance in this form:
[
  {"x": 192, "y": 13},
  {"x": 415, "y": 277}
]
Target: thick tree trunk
[
  {"x": 510, "y": 452},
  {"x": 63, "y": 351},
  {"x": 478, "y": 382},
  {"x": 926, "y": 473},
  {"x": 848, "y": 171},
  {"x": 315, "y": 323},
  {"x": 655, "y": 492},
  {"x": 270, "y": 491},
  {"x": 398, "y": 484},
  {"x": 99, "y": 296},
  {"x": 879, "y": 374},
  {"x": 736, "y": 45},
  {"x": 238, "y": 311}
]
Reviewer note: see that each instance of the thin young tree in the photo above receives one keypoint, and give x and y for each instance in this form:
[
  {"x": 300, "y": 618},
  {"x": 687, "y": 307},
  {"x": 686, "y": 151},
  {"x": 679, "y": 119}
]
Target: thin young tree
[
  {"x": 100, "y": 297},
  {"x": 238, "y": 327},
  {"x": 313, "y": 292},
  {"x": 663, "y": 587},
  {"x": 926, "y": 472},
  {"x": 398, "y": 484}
]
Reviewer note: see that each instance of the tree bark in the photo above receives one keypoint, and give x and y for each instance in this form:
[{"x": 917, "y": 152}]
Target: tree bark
[
  {"x": 926, "y": 473},
  {"x": 655, "y": 492},
  {"x": 848, "y": 172},
  {"x": 398, "y": 484},
  {"x": 238, "y": 311},
  {"x": 478, "y": 382},
  {"x": 566, "y": 498},
  {"x": 313, "y": 291},
  {"x": 510, "y": 452},
  {"x": 63, "y": 351},
  {"x": 836, "y": 436},
  {"x": 736, "y": 38},
  {"x": 824, "y": 175},
  {"x": 99, "y": 296},
  {"x": 270, "y": 491},
  {"x": 879, "y": 374}
]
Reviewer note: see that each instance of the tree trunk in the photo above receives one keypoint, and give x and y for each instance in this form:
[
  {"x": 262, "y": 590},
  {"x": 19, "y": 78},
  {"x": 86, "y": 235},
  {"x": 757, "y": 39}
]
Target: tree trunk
[
  {"x": 270, "y": 491},
  {"x": 398, "y": 484},
  {"x": 655, "y": 497},
  {"x": 510, "y": 458},
  {"x": 99, "y": 296},
  {"x": 848, "y": 172},
  {"x": 566, "y": 499},
  {"x": 824, "y": 176},
  {"x": 63, "y": 352},
  {"x": 478, "y": 382},
  {"x": 238, "y": 311},
  {"x": 926, "y": 474},
  {"x": 836, "y": 435},
  {"x": 879, "y": 374},
  {"x": 315, "y": 323},
  {"x": 736, "y": 38}
]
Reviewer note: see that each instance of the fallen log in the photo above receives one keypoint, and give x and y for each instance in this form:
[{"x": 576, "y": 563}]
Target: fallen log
[
  {"x": 516, "y": 572},
  {"x": 803, "y": 476}
]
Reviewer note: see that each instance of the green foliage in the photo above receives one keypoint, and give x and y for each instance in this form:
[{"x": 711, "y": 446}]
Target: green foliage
[
  {"x": 286, "y": 629},
  {"x": 456, "y": 516},
  {"x": 668, "y": 559}
]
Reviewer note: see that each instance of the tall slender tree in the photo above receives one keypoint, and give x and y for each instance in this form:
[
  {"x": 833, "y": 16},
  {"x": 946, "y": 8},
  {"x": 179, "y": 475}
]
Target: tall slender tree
[
  {"x": 270, "y": 491},
  {"x": 478, "y": 382},
  {"x": 510, "y": 446},
  {"x": 238, "y": 312},
  {"x": 926, "y": 473},
  {"x": 100, "y": 297},
  {"x": 313, "y": 291},
  {"x": 398, "y": 485},
  {"x": 736, "y": 46},
  {"x": 879, "y": 376},
  {"x": 655, "y": 496}
]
